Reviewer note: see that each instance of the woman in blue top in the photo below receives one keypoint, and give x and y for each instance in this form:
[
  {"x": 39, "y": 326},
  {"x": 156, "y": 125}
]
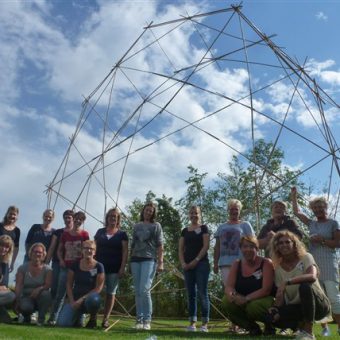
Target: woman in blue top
[
  {"x": 112, "y": 252},
  {"x": 192, "y": 252},
  {"x": 85, "y": 281}
]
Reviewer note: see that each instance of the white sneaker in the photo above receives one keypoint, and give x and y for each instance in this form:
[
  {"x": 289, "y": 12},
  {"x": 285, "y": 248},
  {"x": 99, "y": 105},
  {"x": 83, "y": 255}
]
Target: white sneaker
[
  {"x": 138, "y": 326},
  {"x": 305, "y": 336},
  {"x": 204, "y": 329},
  {"x": 191, "y": 328},
  {"x": 34, "y": 318},
  {"x": 147, "y": 326}
]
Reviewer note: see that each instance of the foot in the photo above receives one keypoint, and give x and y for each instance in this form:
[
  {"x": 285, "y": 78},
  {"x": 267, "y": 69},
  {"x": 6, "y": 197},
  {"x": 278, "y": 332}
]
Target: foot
[
  {"x": 105, "y": 323},
  {"x": 305, "y": 336},
  {"x": 147, "y": 326},
  {"x": 138, "y": 326},
  {"x": 92, "y": 323},
  {"x": 326, "y": 331},
  {"x": 191, "y": 328},
  {"x": 204, "y": 329}
]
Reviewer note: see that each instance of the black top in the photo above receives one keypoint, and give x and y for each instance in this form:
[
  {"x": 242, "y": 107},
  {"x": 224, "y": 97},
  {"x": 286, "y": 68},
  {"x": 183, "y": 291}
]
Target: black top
[
  {"x": 287, "y": 224},
  {"x": 245, "y": 285},
  {"x": 38, "y": 234},
  {"x": 4, "y": 273},
  {"x": 57, "y": 233},
  {"x": 13, "y": 234},
  {"x": 193, "y": 243},
  {"x": 110, "y": 249},
  {"x": 84, "y": 281}
]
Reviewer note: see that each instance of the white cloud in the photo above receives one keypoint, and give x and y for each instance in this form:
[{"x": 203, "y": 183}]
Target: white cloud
[{"x": 321, "y": 16}]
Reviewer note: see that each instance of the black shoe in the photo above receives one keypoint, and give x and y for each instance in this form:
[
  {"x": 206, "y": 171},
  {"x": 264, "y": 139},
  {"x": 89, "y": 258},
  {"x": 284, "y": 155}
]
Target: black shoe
[
  {"x": 92, "y": 323},
  {"x": 255, "y": 331},
  {"x": 269, "y": 330}
]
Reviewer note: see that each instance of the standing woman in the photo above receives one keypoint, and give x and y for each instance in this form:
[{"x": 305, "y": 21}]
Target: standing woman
[
  {"x": 112, "y": 252},
  {"x": 40, "y": 232},
  {"x": 324, "y": 240},
  {"x": 6, "y": 295},
  {"x": 192, "y": 252},
  {"x": 8, "y": 227},
  {"x": 146, "y": 259}
]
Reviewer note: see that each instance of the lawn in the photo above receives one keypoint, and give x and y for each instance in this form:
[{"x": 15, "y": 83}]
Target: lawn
[{"x": 161, "y": 329}]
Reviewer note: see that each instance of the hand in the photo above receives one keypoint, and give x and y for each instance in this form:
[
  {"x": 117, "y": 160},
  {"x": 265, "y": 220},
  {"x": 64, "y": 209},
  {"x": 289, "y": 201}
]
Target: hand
[
  {"x": 3, "y": 289},
  {"x": 270, "y": 235},
  {"x": 240, "y": 300},
  {"x": 316, "y": 238},
  {"x": 121, "y": 272},
  {"x": 35, "y": 292},
  {"x": 216, "y": 268},
  {"x": 160, "y": 267},
  {"x": 11, "y": 267},
  {"x": 77, "y": 304}
]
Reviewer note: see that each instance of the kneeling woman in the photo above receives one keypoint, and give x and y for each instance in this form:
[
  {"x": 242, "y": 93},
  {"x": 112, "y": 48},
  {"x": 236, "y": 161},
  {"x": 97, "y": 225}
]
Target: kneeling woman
[
  {"x": 249, "y": 287},
  {"x": 85, "y": 281},
  {"x": 296, "y": 276},
  {"x": 33, "y": 283}
]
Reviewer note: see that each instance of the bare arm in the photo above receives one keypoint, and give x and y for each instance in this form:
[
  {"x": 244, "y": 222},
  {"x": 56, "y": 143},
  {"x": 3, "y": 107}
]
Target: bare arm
[
  {"x": 229, "y": 289},
  {"x": 160, "y": 252},
  {"x": 60, "y": 253},
  {"x": 302, "y": 217},
  {"x": 124, "y": 257},
  {"x": 202, "y": 252},
  {"x": 216, "y": 254},
  {"x": 47, "y": 285},
  {"x": 14, "y": 257},
  {"x": 181, "y": 252},
  {"x": 69, "y": 286}
]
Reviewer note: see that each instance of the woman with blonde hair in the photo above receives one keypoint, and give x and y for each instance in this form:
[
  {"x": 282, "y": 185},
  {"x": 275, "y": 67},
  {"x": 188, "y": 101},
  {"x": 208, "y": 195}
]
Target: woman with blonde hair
[
  {"x": 324, "y": 237},
  {"x": 33, "y": 283},
  {"x": 6, "y": 295},
  {"x": 85, "y": 281},
  {"x": 249, "y": 288},
  {"x": 112, "y": 252},
  {"x": 299, "y": 300}
]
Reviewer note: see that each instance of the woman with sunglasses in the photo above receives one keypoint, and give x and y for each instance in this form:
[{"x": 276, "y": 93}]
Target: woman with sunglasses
[
  {"x": 85, "y": 281},
  {"x": 299, "y": 300}
]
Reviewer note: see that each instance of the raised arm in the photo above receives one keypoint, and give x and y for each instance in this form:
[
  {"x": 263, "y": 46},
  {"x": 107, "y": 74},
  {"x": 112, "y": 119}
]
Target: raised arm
[{"x": 302, "y": 217}]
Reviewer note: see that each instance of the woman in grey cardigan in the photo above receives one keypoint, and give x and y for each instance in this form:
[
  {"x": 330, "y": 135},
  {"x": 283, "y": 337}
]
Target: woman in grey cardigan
[{"x": 146, "y": 259}]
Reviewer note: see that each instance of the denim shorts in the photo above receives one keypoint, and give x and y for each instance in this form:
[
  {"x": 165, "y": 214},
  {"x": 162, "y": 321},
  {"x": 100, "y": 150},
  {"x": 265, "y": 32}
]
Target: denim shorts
[{"x": 111, "y": 283}]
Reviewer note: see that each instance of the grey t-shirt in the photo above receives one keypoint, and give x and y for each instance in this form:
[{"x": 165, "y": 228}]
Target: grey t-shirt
[
  {"x": 146, "y": 238},
  {"x": 32, "y": 282}
]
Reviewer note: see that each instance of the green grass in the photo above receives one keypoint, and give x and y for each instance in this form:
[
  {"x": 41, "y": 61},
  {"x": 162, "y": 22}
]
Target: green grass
[{"x": 161, "y": 328}]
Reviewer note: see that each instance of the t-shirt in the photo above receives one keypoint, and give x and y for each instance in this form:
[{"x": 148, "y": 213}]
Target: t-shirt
[
  {"x": 146, "y": 238},
  {"x": 292, "y": 295},
  {"x": 325, "y": 257},
  {"x": 110, "y": 249},
  {"x": 85, "y": 281},
  {"x": 32, "y": 282},
  {"x": 38, "y": 234},
  {"x": 13, "y": 234},
  {"x": 72, "y": 246},
  {"x": 4, "y": 273},
  {"x": 193, "y": 243},
  {"x": 230, "y": 236}
]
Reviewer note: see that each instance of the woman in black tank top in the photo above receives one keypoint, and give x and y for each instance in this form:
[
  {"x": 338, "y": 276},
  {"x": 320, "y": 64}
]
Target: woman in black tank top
[{"x": 249, "y": 287}]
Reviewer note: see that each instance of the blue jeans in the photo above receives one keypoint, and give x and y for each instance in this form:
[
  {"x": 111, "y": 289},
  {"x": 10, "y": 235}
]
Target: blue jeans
[
  {"x": 196, "y": 281},
  {"x": 60, "y": 294},
  {"x": 143, "y": 274},
  {"x": 69, "y": 317},
  {"x": 55, "y": 278}
]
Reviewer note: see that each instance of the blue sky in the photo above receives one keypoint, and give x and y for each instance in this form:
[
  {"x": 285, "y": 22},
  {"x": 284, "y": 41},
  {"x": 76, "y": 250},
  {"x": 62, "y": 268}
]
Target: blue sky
[{"x": 55, "y": 53}]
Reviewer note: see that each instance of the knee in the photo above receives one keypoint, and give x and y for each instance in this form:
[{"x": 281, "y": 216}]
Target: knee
[
  {"x": 305, "y": 288},
  {"x": 26, "y": 306},
  {"x": 92, "y": 303},
  {"x": 45, "y": 296}
]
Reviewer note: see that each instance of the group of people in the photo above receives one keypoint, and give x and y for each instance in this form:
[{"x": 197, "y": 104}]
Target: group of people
[{"x": 267, "y": 289}]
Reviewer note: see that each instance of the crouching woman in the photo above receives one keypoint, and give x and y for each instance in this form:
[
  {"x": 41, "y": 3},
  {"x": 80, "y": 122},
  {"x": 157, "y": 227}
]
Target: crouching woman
[
  {"x": 300, "y": 299},
  {"x": 85, "y": 280},
  {"x": 249, "y": 287}
]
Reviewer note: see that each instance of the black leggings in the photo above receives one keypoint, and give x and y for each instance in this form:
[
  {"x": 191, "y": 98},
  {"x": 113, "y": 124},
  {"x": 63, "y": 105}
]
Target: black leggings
[{"x": 314, "y": 306}]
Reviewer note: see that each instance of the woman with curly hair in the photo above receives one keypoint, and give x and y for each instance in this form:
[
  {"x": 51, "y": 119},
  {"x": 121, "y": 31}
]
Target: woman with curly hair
[{"x": 296, "y": 276}]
